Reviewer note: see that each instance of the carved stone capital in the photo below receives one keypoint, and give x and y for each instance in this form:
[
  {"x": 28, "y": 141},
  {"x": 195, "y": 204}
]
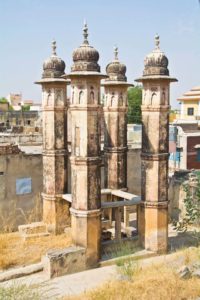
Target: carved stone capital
[
  {"x": 157, "y": 205},
  {"x": 115, "y": 109},
  {"x": 115, "y": 149},
  {"x": 85, "y": 107},
  {"x": 85, "y": 213},
  {"x": 153, "y": 108},
  {"x": 54, "y": 152},
  {"x": 54, "y": 108},
  {"x": 85, "y": 160},
  {"x": 154, "y": 157},
  {"x": 51, "y": 197}
]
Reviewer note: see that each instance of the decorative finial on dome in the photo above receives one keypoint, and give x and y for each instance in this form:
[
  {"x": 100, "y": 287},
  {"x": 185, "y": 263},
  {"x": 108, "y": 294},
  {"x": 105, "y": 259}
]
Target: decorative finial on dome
[
  {"x": 85, "y": 33},
  {"x": 116, "y": 52},
  {"x": 54, "y": 48},
  {"x": 157, "y": 42}
]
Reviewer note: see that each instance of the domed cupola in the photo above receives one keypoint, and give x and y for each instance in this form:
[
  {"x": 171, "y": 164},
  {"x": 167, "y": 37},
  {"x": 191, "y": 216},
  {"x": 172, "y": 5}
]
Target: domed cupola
[
  {"x": 116, "y": 70},
  {"x": 53, "y": 67},
  {"x": 85, "y": 57},
  {"x": 156, "y": 63}
]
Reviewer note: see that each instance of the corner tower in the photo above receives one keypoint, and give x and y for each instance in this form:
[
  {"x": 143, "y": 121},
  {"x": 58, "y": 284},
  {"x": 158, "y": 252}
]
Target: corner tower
[
  {"x": 85, "y": 156},
  {"x": 115, "y": 124},
  {"x": 153, "y": 212},
  {"x": 54, "y": 105}
]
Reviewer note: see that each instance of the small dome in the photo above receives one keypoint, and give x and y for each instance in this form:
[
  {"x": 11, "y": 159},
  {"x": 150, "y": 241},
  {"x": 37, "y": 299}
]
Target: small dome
[
  {"x": 85, "y": 57},
  {"x": 53, "y": 67},
  {"x": 116, "y": 70},
  {"x": 156, "y": 63}
]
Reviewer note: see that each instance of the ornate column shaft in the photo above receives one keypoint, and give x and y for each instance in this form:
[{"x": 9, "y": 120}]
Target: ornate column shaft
[
  {"x": 54, "y": 104},
  {"x": 85, "y": 157},
  {"x": 153, "y": 213},
  {"x": 115, "y": 125}
]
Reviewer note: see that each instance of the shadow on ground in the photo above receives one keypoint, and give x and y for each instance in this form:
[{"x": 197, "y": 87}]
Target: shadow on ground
[{"x": 183, "y": 239}]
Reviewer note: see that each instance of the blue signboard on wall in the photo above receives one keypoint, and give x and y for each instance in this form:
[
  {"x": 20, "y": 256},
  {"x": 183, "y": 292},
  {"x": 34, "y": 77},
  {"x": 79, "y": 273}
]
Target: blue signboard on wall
[
  {"x": 23, "y": 186},
  {"x": 173, "y": 131}
]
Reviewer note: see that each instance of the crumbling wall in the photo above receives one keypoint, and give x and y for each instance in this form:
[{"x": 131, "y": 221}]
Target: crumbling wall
[
  {"x": 176, "y": 194},
  {"x": 20, "y": 187}
]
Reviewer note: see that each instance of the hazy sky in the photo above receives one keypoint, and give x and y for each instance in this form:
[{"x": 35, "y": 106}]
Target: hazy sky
[{"x": 28, "y": 27}]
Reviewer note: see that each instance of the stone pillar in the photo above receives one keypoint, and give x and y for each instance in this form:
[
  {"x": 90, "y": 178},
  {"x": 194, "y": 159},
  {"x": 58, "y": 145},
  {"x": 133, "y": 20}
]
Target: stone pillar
[
  {"x": 54, "y": 105},
  {"x": 115, "y": 125},
  {"x": 85, "y": 111},
  {"x": 153, "y": 212},
  {"x": 118, "y": 219}
]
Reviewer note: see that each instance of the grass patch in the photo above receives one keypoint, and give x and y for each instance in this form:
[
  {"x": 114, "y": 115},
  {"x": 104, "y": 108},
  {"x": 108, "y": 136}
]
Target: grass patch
[
  {"x": 120, "y": 249},
  {"x": 153, "y": 282},
  {"x": 16, "y": 252},
  {"x": 128, "y": 268},
  {"x": 150, "y": 281},
  {"x": 21, "y": 292}
]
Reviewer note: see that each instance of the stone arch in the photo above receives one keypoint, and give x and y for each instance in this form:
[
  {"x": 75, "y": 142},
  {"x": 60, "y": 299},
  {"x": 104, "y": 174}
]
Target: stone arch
[
  {"x": 120, "y": 102},
  {"x": 164, "y": 97},
  {"x": 80, "y": 98},
  {"x": 144, "y": 97},
  {"x": 58, "y": 97},
  {"x": 153, "y": 96},
  {"x": 106, "y": 101},
  {"x": 92, "y": 97},
  {"x": 72, "y": 100},
  {"x": 49, "y": 97},
  {"x": 113, "y": 99}
]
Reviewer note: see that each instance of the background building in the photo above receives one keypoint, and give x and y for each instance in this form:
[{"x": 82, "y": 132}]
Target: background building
[
  {"x": 190, "y": 104},
  {"x": 14, "y": 99}
]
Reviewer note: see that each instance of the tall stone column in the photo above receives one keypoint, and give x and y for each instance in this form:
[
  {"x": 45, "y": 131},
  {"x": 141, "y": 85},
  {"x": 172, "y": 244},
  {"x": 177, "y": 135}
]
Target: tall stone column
[
  {"x": 115, "y": 125},
  {"x": 85, "y": 156},
  {"x": 153, "y": 212},
  {"x": 54, "y": 105}
]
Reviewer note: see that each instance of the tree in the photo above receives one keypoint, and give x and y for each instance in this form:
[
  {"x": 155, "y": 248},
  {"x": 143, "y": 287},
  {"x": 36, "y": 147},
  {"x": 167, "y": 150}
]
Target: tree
[
  {"x": 26, "y": 107},
  {"x": 3, "y": 100},
  {"x": 192, "y": 206},
  {"x": 134, "y": 104}
]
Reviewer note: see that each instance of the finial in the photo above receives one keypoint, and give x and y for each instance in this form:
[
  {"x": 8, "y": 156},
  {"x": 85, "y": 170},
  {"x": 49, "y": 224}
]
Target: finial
[
  {"x": 85, "y": 33},
  {"x": 116, "y": 52},
  {"x": 54, "y": 48},
  {"x": 157, "y": 41}
]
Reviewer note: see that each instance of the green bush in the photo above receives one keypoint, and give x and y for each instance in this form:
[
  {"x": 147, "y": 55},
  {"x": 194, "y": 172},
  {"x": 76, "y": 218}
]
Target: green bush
[
  {"x": 3, "y": 100},
  {"x": 134, "y": 104}
]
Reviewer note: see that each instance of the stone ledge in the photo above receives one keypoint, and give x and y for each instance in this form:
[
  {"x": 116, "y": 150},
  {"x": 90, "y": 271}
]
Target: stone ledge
[
  {"x": 33, "y": 230},
  {"x": 142, "y": 254},
  {"x": 154, "y": 204},
  {"x": 65, "y": 261},
  {"x": 20, "y": 272}
]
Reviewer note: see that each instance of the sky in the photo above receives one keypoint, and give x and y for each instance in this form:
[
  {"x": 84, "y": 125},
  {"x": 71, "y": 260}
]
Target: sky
[{"x": 28, "y": 27}]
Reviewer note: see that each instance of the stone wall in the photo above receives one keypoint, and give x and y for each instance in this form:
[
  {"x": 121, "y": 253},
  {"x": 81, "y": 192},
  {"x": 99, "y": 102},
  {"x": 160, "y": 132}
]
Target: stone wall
[
  {"x": 20, "y": 187},
  {"x": 17, "y": 165},
  {"x": 176, "y": 194},
  {"x": 134, "y": 171},
  {"x": 35, "y": 138}
]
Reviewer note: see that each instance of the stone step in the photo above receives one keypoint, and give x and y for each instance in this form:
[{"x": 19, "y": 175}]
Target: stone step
[
  {"x": 33, "y": 228},
  {"x": 34, "y": 235}
]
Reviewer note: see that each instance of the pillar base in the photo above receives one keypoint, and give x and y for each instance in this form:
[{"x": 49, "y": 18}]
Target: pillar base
[
  {"x": 86, "y": 232},
  {"x": 153, "y": 226},
  {"x": 55, "y": 213}
]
